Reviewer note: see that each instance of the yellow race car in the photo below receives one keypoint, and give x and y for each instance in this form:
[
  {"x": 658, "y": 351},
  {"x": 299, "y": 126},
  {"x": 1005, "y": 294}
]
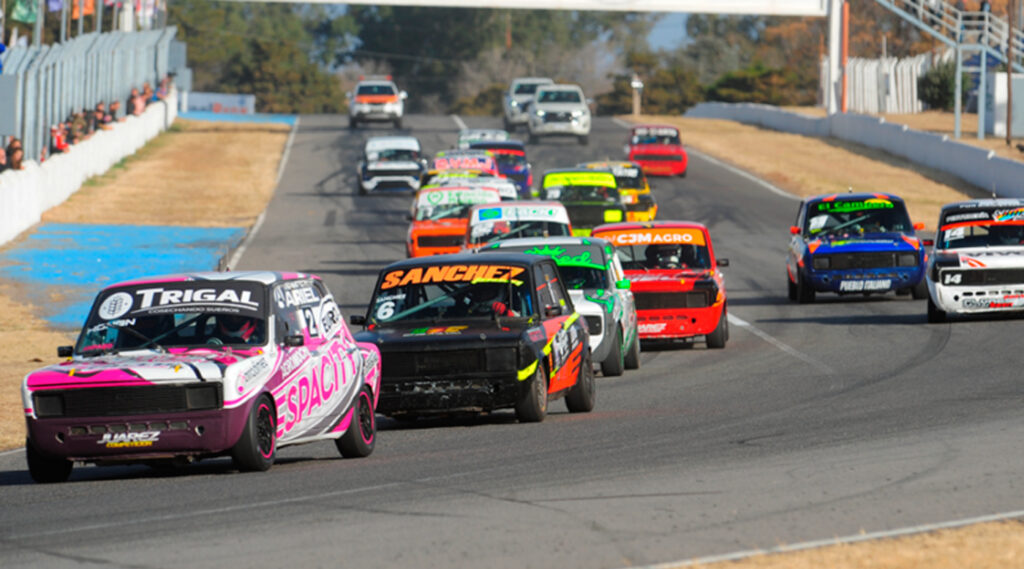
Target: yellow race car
[{"x": 633, "y": 187}]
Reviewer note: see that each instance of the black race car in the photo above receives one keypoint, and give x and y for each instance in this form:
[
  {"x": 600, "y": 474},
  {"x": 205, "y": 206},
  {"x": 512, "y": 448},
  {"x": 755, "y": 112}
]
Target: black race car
[{"x": 477, "y": 333}]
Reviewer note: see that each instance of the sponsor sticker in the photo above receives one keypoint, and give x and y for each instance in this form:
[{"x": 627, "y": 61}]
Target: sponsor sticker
[
  {"x": 653, "y": 328},
  {"x": 452, "y": 273},
  {"x": 654, "y": 236},
  {"x": 865, "y": 285},
  {"x": 115, "y": 306},
  {"x": 129, "y": 440},
  {"x": 846, "y": 206}
]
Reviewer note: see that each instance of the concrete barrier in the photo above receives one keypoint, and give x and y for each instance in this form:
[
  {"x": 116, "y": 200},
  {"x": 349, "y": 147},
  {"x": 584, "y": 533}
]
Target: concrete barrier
[
  {"x": 977, "y": 166},
  {"x": 26, "y": 194}
]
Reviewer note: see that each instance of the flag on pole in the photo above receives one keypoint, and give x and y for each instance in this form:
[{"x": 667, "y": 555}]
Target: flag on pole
[
  {"x": 24, "y": 11},
  {"x": 89, "y": 7}
]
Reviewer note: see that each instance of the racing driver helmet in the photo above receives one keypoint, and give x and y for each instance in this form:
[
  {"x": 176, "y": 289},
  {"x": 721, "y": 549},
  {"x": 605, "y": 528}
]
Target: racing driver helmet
[
  {"x": 237, "y": 328},
  {"x": 663, "y": 256}
]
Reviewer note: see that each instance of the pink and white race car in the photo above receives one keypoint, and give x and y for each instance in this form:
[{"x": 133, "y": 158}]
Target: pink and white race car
[{"x": 177, "y": 368}]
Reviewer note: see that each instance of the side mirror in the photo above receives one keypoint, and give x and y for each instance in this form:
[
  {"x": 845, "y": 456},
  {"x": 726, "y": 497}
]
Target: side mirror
[
  {"x": 65, "y": 351},
  {"x": 918, "y": 226},
  {"x": 403, "y": 95},
  {"x": 624, "y": 284},
  {"x": 552, "y": 310},
  {"x": 357, "y": 320},
  {"x": 722, "y": 262},
  {"x": 294, "y": 340},
  {"x": 794, "y": 230}
]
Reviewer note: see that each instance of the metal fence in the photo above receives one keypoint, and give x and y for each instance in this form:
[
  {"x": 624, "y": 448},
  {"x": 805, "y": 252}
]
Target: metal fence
[{"x": 41, "y": 86}]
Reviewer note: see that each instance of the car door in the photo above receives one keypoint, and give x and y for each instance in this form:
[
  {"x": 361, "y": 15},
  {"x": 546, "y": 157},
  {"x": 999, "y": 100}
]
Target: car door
[
  {"x": 320, "y": 364},
  {"x": 796, "y": 244},
  {"x": 623, "y": 299},
  {"x": 561, "y": 323}
]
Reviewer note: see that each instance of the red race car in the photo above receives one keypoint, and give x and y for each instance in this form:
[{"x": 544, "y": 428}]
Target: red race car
[
  {"x": 658, "y": 150},
  {"x": 678, "y": 289}
]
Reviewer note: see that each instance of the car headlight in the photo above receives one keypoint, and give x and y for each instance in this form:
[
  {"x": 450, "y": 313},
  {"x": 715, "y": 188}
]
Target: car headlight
[
  {"x": 539, "y": 113},
  {"x": 513, "y": 103},
  {"x": 821, "y": 263},
  {"x": 577, "y": 114}
]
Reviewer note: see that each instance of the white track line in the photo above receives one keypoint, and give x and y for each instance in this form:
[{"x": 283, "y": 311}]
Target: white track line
[
  {"x": 736, "y": 320},
  {"x": 459, "y": 123},
  {"x": 837, "y": 541},
  {"x": 741, "y": 173},
  {"x": 237, "y": 255},
  {"x": 14, "y": 451}
]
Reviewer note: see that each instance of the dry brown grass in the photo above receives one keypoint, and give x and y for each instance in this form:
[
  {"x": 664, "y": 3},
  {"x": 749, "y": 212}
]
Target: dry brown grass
[
  {"x": 198, "y": 173},
  {"x": 997, "y": 545},
  {"x": 808, "y": 166}
]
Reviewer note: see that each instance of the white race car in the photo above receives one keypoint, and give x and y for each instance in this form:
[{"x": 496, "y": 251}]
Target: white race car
[
  {"x": 391, "y": 163},
  {"x": 977, "y": 265}
]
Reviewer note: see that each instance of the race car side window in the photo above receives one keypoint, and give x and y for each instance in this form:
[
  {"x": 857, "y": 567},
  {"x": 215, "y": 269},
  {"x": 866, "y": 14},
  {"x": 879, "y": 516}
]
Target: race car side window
[
  {"x": 552, "y": 293},
  {"x": 543, "y": 289}
]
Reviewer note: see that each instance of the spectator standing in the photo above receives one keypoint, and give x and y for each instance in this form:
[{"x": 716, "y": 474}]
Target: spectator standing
[
  {"x": 115, "y": 108},
  {"x": 15, "y": 157},
  {"x": 147, "y": 94},
  {"x": 129, "y": 105},
  {"x": 140, "y": 104},
  {"x": 3, "y": 161}
]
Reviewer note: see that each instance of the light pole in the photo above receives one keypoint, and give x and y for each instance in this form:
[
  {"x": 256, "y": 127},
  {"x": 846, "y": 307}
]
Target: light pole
[{"x": 638, "y": 89}]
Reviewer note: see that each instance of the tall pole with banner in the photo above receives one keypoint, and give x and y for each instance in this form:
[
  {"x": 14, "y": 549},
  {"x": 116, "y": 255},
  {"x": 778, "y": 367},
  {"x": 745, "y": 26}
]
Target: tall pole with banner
[{"x": 1009, "y": 73}]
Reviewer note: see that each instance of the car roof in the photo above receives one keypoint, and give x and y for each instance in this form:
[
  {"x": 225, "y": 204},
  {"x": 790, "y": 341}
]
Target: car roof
[
  {"x": 261, "y": 277},
  {"x": 854, "y": 196},
  {"x": 561, "y": 213},
  {"x": 498, "y": 145},
  {"x": 392, "y": 142},
  {"x": 467, "y": 258},
  {"x": 561, "y": 87},
  {"x": 654, "y": 126},
  {"x": 532, "y": 80},
  {"x": 984, "y": 203},
  {"x": 543, "y": 241},
  {"x": 640, "y": 225}
]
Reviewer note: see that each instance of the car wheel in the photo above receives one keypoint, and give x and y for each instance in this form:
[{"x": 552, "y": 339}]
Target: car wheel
[
  {"x": 509, "y": 127},
  {"x": 582, "y": 396},
  {"x": 920, "y": 290},
  {"x": 632, "y": 360},
  {"x": 791, "y": 287},
  {"x": 353, "y": 123},
  {"x": 935, "y": 316},
  {"x": 717, "y": 338},
  {"x": 257, "y": 447},
  {"x": 584, "y": 140},
  {"x": 804, "y": 291},
  {"x": 361, "y": 436},
  {"x": 46, "y": 470},
  {"x": 398, "y": 123},
  {"x": 613, "y": 364},
  {"x": 532, "y": 406}
]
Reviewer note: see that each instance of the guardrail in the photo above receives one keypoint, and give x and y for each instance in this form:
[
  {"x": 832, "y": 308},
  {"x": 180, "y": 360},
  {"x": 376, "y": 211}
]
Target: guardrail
[
  {"x": 40, "y": 86},
  {"x": 26, "y": 194},
  {"x": 976, "y": 166}
]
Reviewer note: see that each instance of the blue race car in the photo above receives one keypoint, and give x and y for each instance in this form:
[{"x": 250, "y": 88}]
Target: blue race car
[
  {"x": 855, "y": 244},
  {"x": 511, "y": 158}
]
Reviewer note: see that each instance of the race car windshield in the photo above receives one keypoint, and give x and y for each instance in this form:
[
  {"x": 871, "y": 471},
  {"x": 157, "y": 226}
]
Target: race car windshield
[
  {"x": 510, "y": 161},
  {"x": 444, "y": 211},
  {"x": 395, "y": 155},
  {"x": 856, "y": 217},
  {"x": 629, "y": 182},
  {"x": 663, "y": 257},
  {"x": 375, "y": 90},
  {"x": 494, "y": 231},
  {"x": 656, "y": 139},
  {"x": 558, "y": 97},
  {"x": 982, "y": 235},
  {"x": 571, "y": 194},
  {"x": 451, "y": 302},
  {"x": 164, "y": 332}
]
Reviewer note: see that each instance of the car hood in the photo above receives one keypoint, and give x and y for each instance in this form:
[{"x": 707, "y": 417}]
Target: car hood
[
  {"x": 394, "y": 165},
  {"x": 657, "y": 149},
  {"x": 559, "y": 107},
  {"x": 675, "y": 279},
  {"x": 985, "y": 257},
  {"x": 871, "y": 242},
  {"x": 140, "y": 368},
  {"x": 450, "y": 334}
]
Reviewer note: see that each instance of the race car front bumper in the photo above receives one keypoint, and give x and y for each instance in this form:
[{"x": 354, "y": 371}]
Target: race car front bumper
[
  {"x": 400, "y": 182},
  {"x": 864, "y": 281},
  {"x": 977, "y": 299},
  {"x": 546, "y": 125}
]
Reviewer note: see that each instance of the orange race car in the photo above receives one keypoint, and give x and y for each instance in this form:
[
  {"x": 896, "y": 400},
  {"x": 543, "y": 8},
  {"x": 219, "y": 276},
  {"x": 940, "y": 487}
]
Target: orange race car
[{"x": 441, "y": 216}]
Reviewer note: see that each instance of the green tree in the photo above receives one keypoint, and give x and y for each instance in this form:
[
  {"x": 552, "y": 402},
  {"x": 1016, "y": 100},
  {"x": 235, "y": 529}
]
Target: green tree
[{"x": 937, "y": 86}]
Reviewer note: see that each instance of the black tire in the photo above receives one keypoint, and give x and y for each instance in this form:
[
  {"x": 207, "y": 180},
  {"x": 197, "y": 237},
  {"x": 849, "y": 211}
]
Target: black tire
[
  {"x": 804, "y": 291},
  {"x": 584, "y": 140},
  {"x": 257, "y": 447},
  {"x": 632, "y": 360},
  {"x": 44, "y": 469},
  {"x": 791, "y": 288},
  {"x": 613, "y": 364},
  {"x": 717, "y": 338},
  {"x": 532, "y": 406},
  {"x": 353, "y": 123},
  {"x": 398, "y": 123},
  {"x": 920, "y": 290},
  {"x": 361, "y": 436},
  {"x": 509, "y": 127},
  {"x": 935, "y": 316},
  {"x": 583, "y": 395}
]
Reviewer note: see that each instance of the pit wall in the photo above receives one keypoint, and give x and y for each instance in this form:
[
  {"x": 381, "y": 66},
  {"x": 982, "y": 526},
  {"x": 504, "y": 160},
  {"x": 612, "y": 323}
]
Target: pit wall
[
  {"x": 977, "y": 166},
  {"x": 26, "y": 194}
]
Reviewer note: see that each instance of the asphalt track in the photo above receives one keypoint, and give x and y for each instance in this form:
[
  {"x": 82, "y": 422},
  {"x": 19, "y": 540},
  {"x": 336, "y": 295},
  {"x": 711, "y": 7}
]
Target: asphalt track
[{"x": 816, "y": 421}]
